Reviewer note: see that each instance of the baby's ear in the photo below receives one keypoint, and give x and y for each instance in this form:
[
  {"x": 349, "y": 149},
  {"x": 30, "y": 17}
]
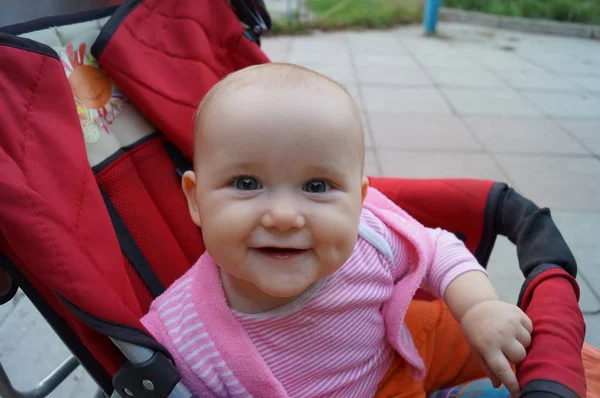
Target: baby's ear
[
  {"x": 188, "y": 184},
  {"x": 364, "y": 188}
]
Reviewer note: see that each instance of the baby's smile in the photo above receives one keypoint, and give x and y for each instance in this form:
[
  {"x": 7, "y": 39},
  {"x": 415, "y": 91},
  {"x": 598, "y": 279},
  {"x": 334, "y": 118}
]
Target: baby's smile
[{"x": 281, "y": 253}]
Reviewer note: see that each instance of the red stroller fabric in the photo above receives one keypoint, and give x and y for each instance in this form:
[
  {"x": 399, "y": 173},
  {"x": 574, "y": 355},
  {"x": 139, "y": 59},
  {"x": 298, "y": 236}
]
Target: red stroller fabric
[
  {"x": 164, "y": 55},
  {"x": 189, "y": 46},
  {"x": 55, "y": 229}
]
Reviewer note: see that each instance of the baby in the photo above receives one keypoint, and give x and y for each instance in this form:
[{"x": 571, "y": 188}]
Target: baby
[{"x": 308, "y": 273}]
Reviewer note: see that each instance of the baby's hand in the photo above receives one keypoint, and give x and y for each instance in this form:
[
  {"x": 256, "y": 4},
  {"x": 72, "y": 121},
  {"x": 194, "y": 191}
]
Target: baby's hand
[{"x": 498, "y": 333}]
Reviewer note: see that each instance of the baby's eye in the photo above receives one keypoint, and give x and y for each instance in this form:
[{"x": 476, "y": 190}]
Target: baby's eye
[
  {"x": 316, "y": 186},
  {"x": 247, "y": 183}
]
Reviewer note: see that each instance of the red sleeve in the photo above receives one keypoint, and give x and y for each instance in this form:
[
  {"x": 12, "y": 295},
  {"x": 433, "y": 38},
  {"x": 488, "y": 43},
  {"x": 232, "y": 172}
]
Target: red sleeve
[{"x": 553, "y": 366}]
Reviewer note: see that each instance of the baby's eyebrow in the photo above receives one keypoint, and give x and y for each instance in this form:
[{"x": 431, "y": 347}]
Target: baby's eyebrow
[
  {"x": 327, "y": 169},
  {"x": 237, "y": 164}
]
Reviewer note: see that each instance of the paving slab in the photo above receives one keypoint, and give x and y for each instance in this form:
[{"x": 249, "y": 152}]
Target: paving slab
[
  {"x": 404, "y": 100},
  {"x": 333, "y": 58},
  {"x": 563, "y": 64},
  {"x": 540, "y": 80},
  {"x": 467, "y": 77},
  {"x": 581, "y": 231},
  {"x": 588, "y": 83},
  {"x": 421, "y": 131},
  {"x": 564, "y": 104},
  {"x": 585, "y": 130},
  {"x": 376, "y": 43},
  {"x": 447, "y": 60},
  {"x": 324, "y": 44},
  {"x": 372, "y": 166},
  {"x": 396, "y": 60},
  {"x": 523, "y": 135},
  {"x": 442, "y": 164},
  {"x": 390, "y": 75},
  {"x": 592, "y": 323},
  {"x": 500, "y": 60},
  {"x": 277, "y": 48},
  {"x": 558, "y": 182},
  {"x": 489, "y": 102}
]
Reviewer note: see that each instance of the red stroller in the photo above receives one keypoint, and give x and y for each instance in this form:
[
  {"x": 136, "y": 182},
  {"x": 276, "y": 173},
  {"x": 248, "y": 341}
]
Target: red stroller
[{"x": 92, "y": 230}]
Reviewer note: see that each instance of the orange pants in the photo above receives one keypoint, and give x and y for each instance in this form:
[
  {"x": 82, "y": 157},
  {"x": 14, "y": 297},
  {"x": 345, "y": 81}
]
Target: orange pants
[
  {"x": 436, "y": 333},
  {"x": 591, "y": 363},
  {"x": 441, "y": 344}
]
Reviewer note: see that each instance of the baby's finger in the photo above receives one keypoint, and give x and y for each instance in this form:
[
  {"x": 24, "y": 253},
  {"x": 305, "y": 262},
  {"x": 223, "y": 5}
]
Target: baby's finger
[
  {"x": 526, "y": 322},
  {"x": 499, "y": 366},
  {"x": 495, "y": 381},
  {"x": 524, "y": 337},
  {"x": 515, "y": 352}
]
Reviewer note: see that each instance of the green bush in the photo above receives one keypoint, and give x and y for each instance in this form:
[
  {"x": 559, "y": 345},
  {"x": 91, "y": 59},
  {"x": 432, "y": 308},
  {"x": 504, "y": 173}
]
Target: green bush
[{"x": 583, "y": 11}]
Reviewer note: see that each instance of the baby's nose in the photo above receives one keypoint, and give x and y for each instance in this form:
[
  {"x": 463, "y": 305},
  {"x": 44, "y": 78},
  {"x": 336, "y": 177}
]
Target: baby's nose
[{"x": 283, "y": 217}]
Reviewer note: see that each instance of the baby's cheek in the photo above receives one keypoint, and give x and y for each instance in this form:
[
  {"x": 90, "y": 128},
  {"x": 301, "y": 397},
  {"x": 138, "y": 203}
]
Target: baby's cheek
[{"x": 337, "y": 232}]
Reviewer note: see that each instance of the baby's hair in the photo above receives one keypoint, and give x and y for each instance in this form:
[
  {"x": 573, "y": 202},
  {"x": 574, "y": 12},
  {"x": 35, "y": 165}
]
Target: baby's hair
[{"x": 280, "y": 75}]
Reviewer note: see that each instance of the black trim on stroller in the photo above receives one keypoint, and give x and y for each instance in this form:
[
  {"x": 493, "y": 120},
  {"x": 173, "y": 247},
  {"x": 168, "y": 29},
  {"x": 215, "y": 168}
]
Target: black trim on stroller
[
  {"x": 181, "y": 163},
  {"x": 58, "y": 20},
  {"x": 255, "y": 16},
  {"x": 117, "y": 331},
  {"x": 123, "y": 150},
  {"x": 112, "y": 25},
  {"x": 547, "y": 389},
  {"x": 7, "y": 39},
  {"x": 533, "y": 231},
  {"x": 488, "y": 236},
  {"x": 149, "y": 370},
  {"x": 12, "y": 289},
  {"x": 132, "y": 250}
]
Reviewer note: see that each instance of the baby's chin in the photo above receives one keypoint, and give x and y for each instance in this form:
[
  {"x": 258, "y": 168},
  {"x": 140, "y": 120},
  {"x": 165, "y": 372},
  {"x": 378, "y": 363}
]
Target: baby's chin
[{"x": 284, "y": 287}]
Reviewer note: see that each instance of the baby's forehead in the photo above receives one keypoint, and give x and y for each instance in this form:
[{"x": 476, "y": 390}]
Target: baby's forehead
[
  {"x": 275, "y": 77},
  {"x": 276, "y": 95}
]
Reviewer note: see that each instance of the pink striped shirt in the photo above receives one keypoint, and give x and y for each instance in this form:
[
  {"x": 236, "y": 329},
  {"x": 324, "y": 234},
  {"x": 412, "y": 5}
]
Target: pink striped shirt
[{"x": 331, "y": 340}]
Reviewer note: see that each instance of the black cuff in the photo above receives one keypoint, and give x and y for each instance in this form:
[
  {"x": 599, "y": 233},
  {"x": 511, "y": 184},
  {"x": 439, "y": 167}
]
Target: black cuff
[
  {"x": 547, "y": 389},
  {"x": 533, "y": 231}
]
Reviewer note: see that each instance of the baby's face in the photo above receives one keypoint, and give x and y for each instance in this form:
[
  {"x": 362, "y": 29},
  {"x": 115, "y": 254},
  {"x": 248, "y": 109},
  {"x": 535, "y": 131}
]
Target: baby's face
[{"x": 279, "y": 185}]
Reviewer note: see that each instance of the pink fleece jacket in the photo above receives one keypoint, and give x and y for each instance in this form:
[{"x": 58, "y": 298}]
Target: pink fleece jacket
[{"x": 193, "y": 321}]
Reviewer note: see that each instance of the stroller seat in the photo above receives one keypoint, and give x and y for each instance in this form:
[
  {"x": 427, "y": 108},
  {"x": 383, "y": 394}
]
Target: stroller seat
[{"x": 96, "y": 115}]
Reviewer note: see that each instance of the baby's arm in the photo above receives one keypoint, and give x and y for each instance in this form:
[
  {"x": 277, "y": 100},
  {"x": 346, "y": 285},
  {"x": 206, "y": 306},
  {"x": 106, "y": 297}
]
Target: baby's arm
[{"x": 497, "y": 332}]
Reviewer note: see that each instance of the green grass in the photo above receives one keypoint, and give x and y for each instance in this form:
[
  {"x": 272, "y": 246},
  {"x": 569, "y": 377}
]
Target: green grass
[
  {"x": 347, "y": 14},
  {"x": 292, "y": 27},
  {"x": 351, "y": 14},
  {"x": 582, "y": 11}
]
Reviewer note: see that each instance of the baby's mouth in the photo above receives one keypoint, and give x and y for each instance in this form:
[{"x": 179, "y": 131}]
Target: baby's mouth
[{"x": 280, "y": 252}]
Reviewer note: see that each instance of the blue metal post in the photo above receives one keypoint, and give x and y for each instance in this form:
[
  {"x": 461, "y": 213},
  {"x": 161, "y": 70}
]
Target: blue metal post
[{"x": 430, "y": 15}]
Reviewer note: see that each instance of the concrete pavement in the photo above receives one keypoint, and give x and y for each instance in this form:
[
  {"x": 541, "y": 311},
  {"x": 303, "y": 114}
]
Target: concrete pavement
[
  {"x": 481, "y": 103},
  {"x": 475, "y": 102}
]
